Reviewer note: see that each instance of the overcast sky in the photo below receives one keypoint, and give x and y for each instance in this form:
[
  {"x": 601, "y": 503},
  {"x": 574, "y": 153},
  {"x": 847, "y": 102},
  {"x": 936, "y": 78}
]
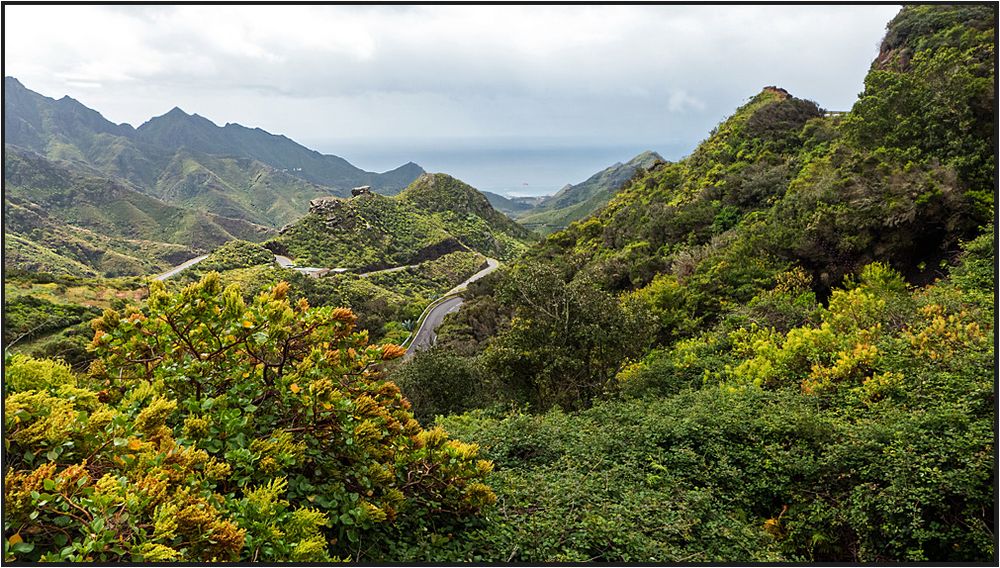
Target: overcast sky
[{"x": 379, "y": 84}]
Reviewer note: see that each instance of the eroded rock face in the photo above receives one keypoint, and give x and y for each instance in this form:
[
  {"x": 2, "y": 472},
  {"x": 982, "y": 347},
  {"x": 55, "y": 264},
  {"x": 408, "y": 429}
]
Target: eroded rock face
[
  {"x": 325, "y": 204},
  {"x": 778, "y": 91},
  {"x": 363, "y": 190}
]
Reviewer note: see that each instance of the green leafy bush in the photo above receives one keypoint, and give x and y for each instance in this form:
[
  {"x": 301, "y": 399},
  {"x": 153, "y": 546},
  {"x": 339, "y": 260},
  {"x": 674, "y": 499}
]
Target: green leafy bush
[
  {"x": 236, "y": 254},
  {"x": 215, "y": 429}
]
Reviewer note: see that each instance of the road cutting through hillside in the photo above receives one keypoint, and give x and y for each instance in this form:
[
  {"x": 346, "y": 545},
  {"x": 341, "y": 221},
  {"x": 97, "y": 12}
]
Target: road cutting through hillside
[{"x": 426, "y": 334}]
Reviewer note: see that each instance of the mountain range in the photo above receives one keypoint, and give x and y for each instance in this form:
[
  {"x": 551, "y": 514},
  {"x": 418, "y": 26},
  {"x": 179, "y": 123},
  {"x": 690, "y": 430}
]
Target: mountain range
[
  {"x": 186, "y": 159},
  {"x": 85, "y": 196},
  {"x": 575, "y": 202}
]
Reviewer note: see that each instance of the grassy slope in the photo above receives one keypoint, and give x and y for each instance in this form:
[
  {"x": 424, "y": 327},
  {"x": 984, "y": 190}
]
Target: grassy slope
[
  {"x": 434, "y": 215},
  {"x": 100, "y": 222},
  {"x": 576, "y": 202}
]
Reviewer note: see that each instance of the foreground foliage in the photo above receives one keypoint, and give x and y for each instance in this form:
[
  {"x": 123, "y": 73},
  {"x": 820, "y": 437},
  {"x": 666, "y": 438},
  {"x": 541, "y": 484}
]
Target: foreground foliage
[
  {"x": 214, "y": 429},
  {"x": 817, "y": 378}
]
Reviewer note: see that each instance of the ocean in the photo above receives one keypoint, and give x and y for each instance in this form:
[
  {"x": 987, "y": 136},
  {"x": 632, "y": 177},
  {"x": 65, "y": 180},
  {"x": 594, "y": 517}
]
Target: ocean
[{"x": 507, "y": 170}]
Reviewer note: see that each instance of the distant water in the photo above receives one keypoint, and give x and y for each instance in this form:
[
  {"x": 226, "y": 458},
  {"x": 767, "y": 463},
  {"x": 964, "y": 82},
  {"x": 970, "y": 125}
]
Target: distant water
[{"x": 505, "y": 170}]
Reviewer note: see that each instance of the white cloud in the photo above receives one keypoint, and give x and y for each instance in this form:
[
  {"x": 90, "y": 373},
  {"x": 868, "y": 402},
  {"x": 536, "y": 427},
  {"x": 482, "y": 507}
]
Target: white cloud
[
  {"x": 680, "y": 101},
  {"x": 588, "y": 74}
]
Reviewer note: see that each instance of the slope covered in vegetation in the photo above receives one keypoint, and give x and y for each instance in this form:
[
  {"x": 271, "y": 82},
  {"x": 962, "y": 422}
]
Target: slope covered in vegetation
[
  {"x": 575, "y": 202},
  {"x": 435, "y": 215},
  {"x": 70, "y": 219},
  {"x": 748, "y": 355}
]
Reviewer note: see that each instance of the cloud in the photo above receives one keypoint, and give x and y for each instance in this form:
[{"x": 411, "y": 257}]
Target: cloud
[
  {"x": 680, "y": 101},
  {"x": 585, "y": 74}
]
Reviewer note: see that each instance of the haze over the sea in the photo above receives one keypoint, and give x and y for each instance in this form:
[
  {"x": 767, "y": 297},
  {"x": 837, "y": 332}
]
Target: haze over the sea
[{"x": 499, "y": 96}]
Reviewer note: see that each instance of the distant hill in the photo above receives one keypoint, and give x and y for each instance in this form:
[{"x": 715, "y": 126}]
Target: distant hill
[
  {"x": 177, "y": 129},
  {"x": 186, "y": 159},
  {"x": 435, "y": 215},
  {"x": 68, "y": 218},
  {"x": 512, "y": 206},
  {"x": 574, "y": 202}
]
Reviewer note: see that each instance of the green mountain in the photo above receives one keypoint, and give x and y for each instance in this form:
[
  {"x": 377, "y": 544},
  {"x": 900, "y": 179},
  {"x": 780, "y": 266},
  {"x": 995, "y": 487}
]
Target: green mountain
[
  {"x": 177, "y": 129},
  {"x": 780, "y": 348},
  {"x": 512, "y": 206},
  {"x": 435, "y": 215},
  {"x": 186, "y": 159},
  {"x": 235, "y": 187},
  {"x": 72, "y": 219},
  {"x": 575, "y": 202}
]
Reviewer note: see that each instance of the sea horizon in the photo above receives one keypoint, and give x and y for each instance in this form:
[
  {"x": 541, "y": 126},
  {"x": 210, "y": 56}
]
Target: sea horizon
[{"x": 529, "y": 170}]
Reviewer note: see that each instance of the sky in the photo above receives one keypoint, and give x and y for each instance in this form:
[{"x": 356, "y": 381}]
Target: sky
[{"x": 515, "y": 99}]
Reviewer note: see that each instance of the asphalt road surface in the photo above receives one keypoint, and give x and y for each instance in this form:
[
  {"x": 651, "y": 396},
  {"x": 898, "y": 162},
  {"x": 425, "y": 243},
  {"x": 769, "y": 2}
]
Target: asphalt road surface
[
  {"x": 427, "y": 334},
  {"x": 283, "y": 261},
  {"x": 180, "y": 267}
]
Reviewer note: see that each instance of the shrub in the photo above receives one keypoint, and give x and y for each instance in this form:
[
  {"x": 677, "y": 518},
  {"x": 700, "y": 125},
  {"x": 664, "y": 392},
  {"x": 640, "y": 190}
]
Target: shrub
[{"x": 225, "y": 430}]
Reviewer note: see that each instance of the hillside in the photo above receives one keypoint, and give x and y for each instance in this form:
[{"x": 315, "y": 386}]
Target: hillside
[
  {"x": 435, "y": 215},
  {"x": 780, "y": 349},
  {"x": 512, "y": 206},
  {"x": 783, "y": 343},
  {"x": 446, "y": 196},
  {"x": 68, "y": 218},
  {"x": 575, "y": 202},
  {"x": 188, "y": 160},
  {"x": 177, "y": 129}
]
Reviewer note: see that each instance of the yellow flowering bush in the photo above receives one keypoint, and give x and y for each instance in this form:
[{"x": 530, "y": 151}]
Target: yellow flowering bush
[{"x": 217, "y": 429}]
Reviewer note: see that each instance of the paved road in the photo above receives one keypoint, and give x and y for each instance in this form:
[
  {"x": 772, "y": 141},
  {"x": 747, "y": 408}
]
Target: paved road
[
  {"x": 427, "y": 334},
  {"x": 180, "y": 267},
  {"x": 283, "y": 261},
  {"x": 491, "y": 265}
]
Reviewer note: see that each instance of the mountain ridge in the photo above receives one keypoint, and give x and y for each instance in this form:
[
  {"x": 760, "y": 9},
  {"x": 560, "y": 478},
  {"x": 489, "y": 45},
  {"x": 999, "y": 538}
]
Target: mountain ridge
[
  {"x": 574, "y": 202},
  {"x": 68, "y": 130}
]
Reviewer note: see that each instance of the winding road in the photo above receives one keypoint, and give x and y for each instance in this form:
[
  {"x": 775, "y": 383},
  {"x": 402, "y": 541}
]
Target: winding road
[
  {"x": 187, "y": 264},
  {"x": 426, "y": 334}
]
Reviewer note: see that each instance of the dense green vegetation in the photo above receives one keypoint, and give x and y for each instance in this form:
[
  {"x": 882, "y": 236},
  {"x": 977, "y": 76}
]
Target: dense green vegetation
[
  {"x": 428, "y": 280},
  {"x": 28, "y": 317},
  {"x": 863, "y": 432},
  {"x": 48, "y": 315},
  {"x": 236, "y": 254},
  {"x": 215, "y": 429},
  {"x": 779, "y": 349},
  {"x": 575, "y": 202},
  {"x": 435, "y": 215},
  {"x": 774, "y": 371}
]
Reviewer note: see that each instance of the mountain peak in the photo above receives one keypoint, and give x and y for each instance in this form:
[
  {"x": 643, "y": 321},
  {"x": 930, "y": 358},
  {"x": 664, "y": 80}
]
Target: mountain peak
[
  {"x": 771, "y": 89},
  {"x": 438, "y": 192}
]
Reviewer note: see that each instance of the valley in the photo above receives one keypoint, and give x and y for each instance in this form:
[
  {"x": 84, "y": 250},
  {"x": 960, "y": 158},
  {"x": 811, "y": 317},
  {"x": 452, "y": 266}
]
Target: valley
[{"x": 220, "y": 345}]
